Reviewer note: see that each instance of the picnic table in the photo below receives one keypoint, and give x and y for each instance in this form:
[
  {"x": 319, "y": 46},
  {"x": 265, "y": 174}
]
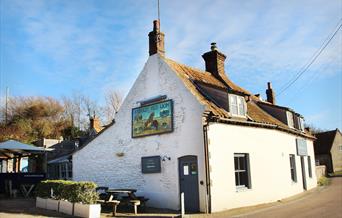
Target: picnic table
[{"x": 130, "y": 198}]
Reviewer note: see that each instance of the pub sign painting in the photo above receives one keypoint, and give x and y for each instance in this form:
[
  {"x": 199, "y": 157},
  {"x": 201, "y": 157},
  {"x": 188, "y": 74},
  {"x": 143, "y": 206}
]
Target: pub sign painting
[{"x": 152, "y": 119}]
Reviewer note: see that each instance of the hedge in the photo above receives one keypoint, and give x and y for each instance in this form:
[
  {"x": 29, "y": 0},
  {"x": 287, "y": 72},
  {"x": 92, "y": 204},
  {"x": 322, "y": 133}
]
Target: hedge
[{"x": 81, "y": 192}]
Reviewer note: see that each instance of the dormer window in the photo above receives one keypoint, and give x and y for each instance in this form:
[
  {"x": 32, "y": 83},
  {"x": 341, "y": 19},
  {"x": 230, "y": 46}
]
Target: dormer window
[
  {"x": 237, "y": 105},
  {"x": 289, "y": 116},
  {"x": 301, "y": 123}
]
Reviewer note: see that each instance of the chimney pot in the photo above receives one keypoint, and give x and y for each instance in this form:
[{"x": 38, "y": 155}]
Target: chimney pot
[
  {"x": 213, "y": 46},
  {"x": 156, "y": 25}
]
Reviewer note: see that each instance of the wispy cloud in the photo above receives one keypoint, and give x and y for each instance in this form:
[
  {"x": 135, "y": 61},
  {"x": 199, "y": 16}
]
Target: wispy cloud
[{"x": 58, "y": 46}]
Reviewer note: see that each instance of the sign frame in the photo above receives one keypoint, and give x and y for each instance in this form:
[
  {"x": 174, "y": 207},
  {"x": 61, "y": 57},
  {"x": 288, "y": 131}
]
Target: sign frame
[
  {"x": 302, "y": 147},
  {"x": 156, "y": 133},
  {"x": 152, "y": 159}
]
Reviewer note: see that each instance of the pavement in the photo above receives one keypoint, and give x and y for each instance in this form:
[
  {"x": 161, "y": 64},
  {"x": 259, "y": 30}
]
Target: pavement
[{"x": 320, "y": 202}]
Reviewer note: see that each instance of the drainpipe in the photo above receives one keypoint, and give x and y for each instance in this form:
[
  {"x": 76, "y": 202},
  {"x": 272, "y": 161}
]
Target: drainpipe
[{"x": 207, "y": 170}]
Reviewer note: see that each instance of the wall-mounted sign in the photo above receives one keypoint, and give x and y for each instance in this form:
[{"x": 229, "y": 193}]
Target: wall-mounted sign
[
  {"x": 152, "y": 119},
  {"x": 302, "y": 149},
  {"x": 150, "y": 164}
]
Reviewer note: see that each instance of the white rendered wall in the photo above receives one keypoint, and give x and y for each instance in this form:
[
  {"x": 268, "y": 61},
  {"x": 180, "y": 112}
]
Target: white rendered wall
[
  {"x": 269, "y": 165},
  {"x": 98, "y": 161}
]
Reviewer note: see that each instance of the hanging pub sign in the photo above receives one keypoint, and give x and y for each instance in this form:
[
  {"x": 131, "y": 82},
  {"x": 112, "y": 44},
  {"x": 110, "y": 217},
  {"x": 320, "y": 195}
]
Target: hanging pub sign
[{"x": 152, "y": 119}]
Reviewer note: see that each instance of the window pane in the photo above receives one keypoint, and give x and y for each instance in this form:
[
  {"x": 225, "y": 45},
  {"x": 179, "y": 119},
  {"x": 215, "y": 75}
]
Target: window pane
[
  {"x": 236, "y": 163},
  {"x": 234, "y": 109},
  {"x": 242, "y": 162},
  {"x": 244, "y": 178},
  {"x": 241, "y": 102},
  {"x": 293, "y": 168},
  {"x": 233, "y": 99},
  {"x": 237, "y": 179}
]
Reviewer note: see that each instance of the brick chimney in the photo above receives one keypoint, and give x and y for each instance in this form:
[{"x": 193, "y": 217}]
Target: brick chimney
[
  {"x": 270, "y": 94},
  {"x": 95, "y": 124},
  {"x": 156, "y": 40},
  {"x": 214, "y": 62}
]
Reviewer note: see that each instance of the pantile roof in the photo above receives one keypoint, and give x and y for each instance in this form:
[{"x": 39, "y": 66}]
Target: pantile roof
[{"x": 255, "y": 115}]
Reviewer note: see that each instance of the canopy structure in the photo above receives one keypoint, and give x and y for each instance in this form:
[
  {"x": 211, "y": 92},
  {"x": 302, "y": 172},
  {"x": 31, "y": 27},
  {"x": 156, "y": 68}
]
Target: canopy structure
[{"x": 11, "y": 148}]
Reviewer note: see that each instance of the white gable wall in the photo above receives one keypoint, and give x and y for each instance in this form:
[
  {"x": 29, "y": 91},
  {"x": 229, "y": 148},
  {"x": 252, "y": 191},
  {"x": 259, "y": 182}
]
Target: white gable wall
[
  {"x": 98, "y": 161},
  {"x": 269, "y": 165}
]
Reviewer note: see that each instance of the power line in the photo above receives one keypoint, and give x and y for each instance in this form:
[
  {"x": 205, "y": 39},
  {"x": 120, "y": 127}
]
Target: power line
[{"x": 315, "y": 56}]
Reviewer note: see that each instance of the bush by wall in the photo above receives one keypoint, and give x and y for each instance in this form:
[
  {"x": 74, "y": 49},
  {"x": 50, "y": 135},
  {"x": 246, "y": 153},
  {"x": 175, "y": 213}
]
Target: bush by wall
[
  {"x": 323, "y": 181},
  {"x": 82, "y": 192}
]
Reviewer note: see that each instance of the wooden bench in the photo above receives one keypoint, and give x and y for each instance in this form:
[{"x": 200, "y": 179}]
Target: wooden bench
[
  {"x": 112, "y": 202},
  {"x": 107, "y": 199},
  {"x": 138, "y": 201}
]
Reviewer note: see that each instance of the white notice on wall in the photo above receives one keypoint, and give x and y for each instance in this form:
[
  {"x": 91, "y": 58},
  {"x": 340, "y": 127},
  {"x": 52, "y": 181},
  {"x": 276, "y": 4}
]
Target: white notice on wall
[{"x": 186, "y": 170}]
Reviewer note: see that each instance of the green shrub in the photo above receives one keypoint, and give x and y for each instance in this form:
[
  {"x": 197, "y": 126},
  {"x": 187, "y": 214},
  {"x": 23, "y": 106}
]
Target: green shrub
[
  {"x": 323, "y": 181},
  {"x": 83, "y": 192}
]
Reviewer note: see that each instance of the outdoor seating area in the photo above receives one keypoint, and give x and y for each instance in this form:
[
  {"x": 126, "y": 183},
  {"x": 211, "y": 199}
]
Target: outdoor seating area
[
  {"x": 121, "y": 197},
  {"x": 16, "y": 179},
  {"x": 13, "y": 185}
]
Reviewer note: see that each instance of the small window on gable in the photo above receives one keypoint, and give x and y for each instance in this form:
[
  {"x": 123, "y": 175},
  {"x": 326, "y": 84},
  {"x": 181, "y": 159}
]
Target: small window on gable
[
  {"x": 289, "y": 116},
  {"x": 237, "y": 105}
]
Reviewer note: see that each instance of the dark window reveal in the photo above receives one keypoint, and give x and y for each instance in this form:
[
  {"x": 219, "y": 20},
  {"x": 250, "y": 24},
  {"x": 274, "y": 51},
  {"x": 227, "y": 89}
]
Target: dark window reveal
[
  {"x": 293, "y": 167},
  {"x": 309, "y": 166},
  {"x": 242, "y": 172}
]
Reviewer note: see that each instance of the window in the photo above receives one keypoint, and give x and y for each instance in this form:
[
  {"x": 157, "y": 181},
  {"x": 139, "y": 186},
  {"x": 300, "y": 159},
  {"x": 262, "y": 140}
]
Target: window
[
  {"x": 293, "y": 167},
  {"x": 340, "y": 147},
  {"x": 63, "y": 171},
  {"x": 237, "y": 105},
  {"x": 289, "y": 116},
  {"x": 242, "y": 172},
  {"x": 301, "y": 123},
  {"x": 69, "y": 170},
  {"x": 309, "y": 166}
]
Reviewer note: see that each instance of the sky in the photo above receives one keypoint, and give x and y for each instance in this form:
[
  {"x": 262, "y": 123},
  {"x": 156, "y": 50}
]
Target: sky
[{"x": 59, "y": 47}]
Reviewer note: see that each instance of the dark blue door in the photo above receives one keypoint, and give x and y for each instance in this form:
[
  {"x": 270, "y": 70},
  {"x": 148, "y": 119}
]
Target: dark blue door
[{"x": 188, "y": 180}]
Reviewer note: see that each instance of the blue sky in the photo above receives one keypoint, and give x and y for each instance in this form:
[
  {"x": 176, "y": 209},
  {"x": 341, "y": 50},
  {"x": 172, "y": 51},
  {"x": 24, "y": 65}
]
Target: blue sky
[{"x": 54, "y": 48}]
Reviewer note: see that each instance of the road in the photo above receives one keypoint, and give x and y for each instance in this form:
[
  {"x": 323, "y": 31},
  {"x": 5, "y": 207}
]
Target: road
[{"x": 323, "y": 202}]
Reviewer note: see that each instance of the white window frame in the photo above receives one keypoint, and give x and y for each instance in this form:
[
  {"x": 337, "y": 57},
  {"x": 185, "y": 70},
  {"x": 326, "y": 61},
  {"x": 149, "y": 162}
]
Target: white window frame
[
  {"x": 290, "y": 120},
  {"x": 245, "y": 156},
  {"x": 240, "y": 105},
  {"x": 293, "y": 168},
  {"x": 301, "y": 123}
]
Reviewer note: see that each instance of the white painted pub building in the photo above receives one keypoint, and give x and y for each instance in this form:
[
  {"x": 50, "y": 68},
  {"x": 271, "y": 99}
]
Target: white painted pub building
[{"x": 186, "y": 130}]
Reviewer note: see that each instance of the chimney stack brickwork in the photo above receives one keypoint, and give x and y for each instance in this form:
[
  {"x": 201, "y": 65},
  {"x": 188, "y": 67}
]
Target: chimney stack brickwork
[
  {"x": 95, "y": 124},
  {"x": 156, "y": 40},
  {"x": 270, "y": 94},
  {"x": 214, "y": 62}
]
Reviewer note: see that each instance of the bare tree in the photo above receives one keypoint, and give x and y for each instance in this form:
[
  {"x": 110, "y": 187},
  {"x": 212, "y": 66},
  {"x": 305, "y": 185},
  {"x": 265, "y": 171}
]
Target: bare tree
[
  {"x": 72, "y": 106},
  {"x": 113, "y": 103}
]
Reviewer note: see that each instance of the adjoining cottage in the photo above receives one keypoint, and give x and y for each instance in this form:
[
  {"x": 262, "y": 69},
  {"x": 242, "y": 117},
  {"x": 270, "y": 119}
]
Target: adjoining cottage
[
  {"x": 328, "y": 150},
  {"x": 184, "y": 130}
]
